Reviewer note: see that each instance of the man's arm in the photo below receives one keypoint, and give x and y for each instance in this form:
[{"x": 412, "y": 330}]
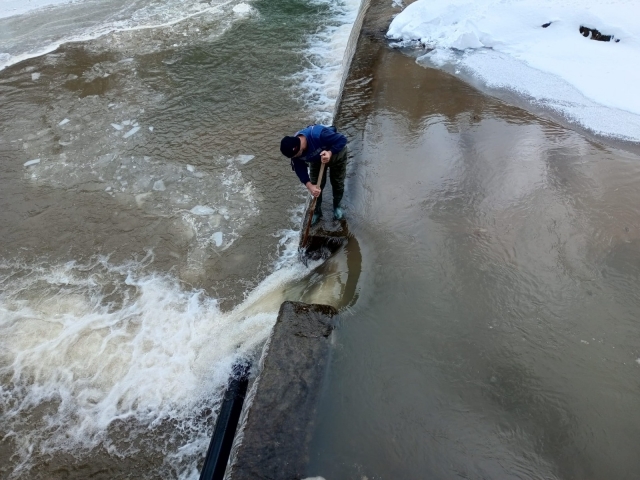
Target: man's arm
[
  {"x": 334, "y": 140},
  {"x": 300, "y": 167}
]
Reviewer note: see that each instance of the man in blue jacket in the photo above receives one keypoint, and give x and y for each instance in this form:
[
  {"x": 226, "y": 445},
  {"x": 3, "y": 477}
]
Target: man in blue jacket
[{"x": 313, "y": 145}]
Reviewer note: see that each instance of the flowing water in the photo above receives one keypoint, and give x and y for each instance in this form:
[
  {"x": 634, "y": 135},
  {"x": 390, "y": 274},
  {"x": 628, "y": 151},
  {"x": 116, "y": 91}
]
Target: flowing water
[
  {"x": 496, "y": 331},
  {"x": 148, "y": 220}
]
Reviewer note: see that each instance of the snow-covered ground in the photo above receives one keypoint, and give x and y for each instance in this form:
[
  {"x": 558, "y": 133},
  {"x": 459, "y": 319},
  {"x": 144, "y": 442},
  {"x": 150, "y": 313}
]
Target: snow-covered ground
[{"x": 504, "y": 45}]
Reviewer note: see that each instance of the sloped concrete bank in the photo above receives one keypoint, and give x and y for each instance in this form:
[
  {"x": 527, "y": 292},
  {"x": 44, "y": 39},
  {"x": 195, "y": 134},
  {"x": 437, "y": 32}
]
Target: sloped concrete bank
[{"x": 276, "y": 426}]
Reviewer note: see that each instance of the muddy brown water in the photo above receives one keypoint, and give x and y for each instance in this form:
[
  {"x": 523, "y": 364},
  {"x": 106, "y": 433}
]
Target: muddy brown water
[
  {"x": 156, "y": 202},
  {"x": 496, "y": 331}
]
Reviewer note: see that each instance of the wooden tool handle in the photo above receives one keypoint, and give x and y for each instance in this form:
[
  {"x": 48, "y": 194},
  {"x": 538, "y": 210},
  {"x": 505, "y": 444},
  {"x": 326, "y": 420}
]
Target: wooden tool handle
[
  {"x": 320, "y": 175},
  {"x": 312, "y": 209}
]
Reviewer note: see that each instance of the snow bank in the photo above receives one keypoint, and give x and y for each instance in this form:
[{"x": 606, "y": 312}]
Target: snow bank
[{"x": 504, "y": 44}]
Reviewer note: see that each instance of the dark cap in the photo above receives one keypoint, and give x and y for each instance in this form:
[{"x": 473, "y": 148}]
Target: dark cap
[{"x": 289, "y": 146}]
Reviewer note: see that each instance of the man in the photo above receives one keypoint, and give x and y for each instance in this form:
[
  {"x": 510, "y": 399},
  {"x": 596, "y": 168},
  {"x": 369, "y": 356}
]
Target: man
[{"x": 313, "y": 145}]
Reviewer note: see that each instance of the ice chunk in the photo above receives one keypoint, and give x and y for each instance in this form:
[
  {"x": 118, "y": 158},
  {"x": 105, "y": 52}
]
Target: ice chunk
[
  {"x": 116, "y": 126},
  {"x": 127, "y": 122},
  {"x": 151, "y": 129},
  {"x": 217, "y": 238},
  {"x": 191, "y": 168},
  {"x": 202, "y": 210},
  {"x": 32, "y": 162},
  {"x": 35, "y": 76},
  {"x": 242, "y": 8},
  {"x": 131, "y": 132},
  {"x": 158, "y": 186},
  {"x": 243, "y": 159},
  {"x": 63, "y": 122}
]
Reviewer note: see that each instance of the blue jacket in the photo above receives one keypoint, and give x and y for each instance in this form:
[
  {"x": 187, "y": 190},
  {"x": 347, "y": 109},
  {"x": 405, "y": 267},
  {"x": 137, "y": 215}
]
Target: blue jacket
[{"x": 319, "y": 138}]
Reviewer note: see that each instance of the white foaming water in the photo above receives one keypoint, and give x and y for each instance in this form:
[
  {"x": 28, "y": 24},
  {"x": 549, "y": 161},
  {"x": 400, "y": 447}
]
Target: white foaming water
[
  {"x": 321, "y": 80},
  {"x": 504, "y": 45},
  {"x": 85, "y": 348},
  {"x": 40, "y": 30}
]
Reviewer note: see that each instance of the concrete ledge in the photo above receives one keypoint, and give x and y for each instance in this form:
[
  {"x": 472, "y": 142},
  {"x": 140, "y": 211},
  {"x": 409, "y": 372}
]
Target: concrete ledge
[{"x": 277, "y": 422}]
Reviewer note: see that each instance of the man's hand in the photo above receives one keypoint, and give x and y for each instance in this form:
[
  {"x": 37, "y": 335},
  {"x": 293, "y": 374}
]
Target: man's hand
[
  {"x": 325, "y": 156},
  {"x": 313, "y": 190}
]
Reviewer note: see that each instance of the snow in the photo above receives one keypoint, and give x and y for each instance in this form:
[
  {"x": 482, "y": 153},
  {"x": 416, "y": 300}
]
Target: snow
[
  {"x": 504, "y": 45},
  {"x": 202, "y": 210},
  {"x": 63, "y": 122},
  {"x": 131, "y": 132},
  {"x": 32, "y": 162}
]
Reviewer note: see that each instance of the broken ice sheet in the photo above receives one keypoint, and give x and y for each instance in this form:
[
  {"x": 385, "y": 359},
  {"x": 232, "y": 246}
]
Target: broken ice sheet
[
  {"x": 131, "y": 132},
  {"x": 116, "y": 126},
  {"x": 202, "y": 210},
  {"x": 32, "y": 162},
  {"x": 244, "y": 159},
  {"x": 63, "y": 122},
  {"x": 217, "y": 238}
]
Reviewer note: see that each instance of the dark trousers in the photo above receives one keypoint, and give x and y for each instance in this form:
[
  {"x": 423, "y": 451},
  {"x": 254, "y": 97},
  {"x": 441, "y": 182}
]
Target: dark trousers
[{"x": 336, "y": 170}]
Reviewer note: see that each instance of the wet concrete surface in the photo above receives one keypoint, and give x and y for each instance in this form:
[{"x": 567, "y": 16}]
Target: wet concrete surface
[{"x": 277, "y": 424}]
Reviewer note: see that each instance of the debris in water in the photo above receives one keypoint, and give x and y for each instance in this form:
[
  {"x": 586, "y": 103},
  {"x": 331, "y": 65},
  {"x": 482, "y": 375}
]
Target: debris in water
[
  {"x": 202, "y": 210},
  {"x": 32, "y": 162},
  {"x": 158, "y": 186},
  {"x": 131, "y": 132},
  {"x": 35, "y": 76},
  {"x": 217, "y": 238},
  {"x": 63, "y": 122},
  {"x": 116, "y": 126}
]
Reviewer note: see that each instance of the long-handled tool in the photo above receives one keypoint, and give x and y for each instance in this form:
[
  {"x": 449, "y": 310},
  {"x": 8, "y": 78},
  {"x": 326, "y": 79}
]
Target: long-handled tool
[{"x": 312, "y": 209}]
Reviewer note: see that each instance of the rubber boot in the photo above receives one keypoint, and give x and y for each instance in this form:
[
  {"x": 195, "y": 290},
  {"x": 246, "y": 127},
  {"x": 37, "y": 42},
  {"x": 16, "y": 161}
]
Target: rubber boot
[{"x": 338, "y": 214}]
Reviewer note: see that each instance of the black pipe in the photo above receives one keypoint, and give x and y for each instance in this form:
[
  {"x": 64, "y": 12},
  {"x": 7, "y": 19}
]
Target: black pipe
[{"x": 215, "y": 463}]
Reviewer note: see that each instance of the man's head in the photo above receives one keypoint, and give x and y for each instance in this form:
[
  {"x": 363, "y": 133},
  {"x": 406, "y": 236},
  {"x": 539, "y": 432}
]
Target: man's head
[{"x": 290, "y": 146}]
